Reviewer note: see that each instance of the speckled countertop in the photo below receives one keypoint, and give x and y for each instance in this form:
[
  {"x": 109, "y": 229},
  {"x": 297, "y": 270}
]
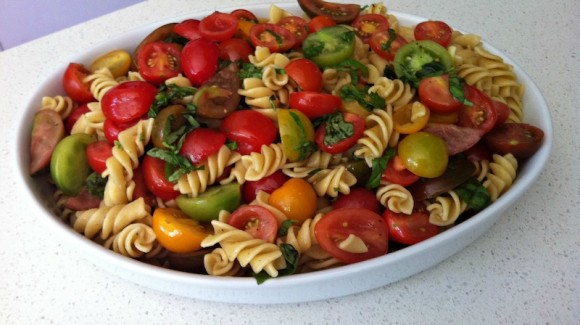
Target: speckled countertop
[{"x": 525, "y": 269}]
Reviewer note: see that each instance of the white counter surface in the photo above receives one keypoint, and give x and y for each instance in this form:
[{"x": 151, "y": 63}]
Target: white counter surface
[{"x": 525, "y": 269}]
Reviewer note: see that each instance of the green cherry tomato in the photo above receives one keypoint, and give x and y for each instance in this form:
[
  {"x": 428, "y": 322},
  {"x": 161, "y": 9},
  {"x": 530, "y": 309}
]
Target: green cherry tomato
[
  {"x": 420, "y": 59},
  {"x": 168, "y": 120},
  {"x": 424, "y": 154},
  {"x": 329, "y": 46},
  {"x": 297, "y": 134},
  {"x": 208, "y": 205},
  {"x": 69, "y": 166}
]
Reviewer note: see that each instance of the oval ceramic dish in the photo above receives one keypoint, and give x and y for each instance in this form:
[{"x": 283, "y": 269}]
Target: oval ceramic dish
[{"x": 318, "y": 285}]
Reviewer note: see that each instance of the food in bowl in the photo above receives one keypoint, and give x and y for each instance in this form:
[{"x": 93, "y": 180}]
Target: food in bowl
[{"x": 237, "y": 145}]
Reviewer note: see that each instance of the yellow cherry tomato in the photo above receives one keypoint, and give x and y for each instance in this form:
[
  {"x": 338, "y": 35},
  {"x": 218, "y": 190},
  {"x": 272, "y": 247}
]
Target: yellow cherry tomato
[
  {"x": 117, "y": 61},
  {"x": 423, "y": 154},
  {"x": 296, "y": 199},
  {"x": 177, "y": 232},
  {"x": 450, "y": 118},
  {"x": 410, "y": 118},
  {"x": 296, "y": 132}
]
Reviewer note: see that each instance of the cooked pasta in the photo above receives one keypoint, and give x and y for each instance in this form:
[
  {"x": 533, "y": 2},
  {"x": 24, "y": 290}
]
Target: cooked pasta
[
  {"x": 135, "y": 240},
  {"x": 91, "y": 122},
  {"x": 445, "y": 209},
  {"x": 263, "y": 57},
  {"x": 395, "y": 198},
  {"x": 63, "y": 105},
  {"x": 217, "y": 263},
  {"x": 259, "y": 165},
  {"x": 501, "y": 175},
  {"x": 257, "y": 94},
  {"x": 379, "y": 134},
  {"x": 101, "y": 82},
  {"x": 262, "y": 199},
  {"x": 395, "y": 92},
  {"x": 332, "y": 181},
  {"x": 273, "y": 78},
  {"x": 316, "y": 161}
]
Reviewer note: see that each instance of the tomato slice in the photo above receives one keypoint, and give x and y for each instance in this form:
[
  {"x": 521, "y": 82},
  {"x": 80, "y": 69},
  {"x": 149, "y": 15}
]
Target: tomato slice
[
  {"x": 128, "y": 101},
  {"x": 297, "y": 25},
  {"x": 520, "y": 139},
  {"x": 257, "y": 221},
  {"x": 410, "y": 118},
  {"x": 319, "y": 22},
  {"x": 218, "y": 26},
  {"x": 434, "y": 30},
  {"x": 199, "y": 60},
  {"x": 434, "y": 92},
  {"x": 235, "y": 49},
  {"x": 155, "y": 179},
  {"x": 240, "y": 126},
  {"x": 329, "y": 46},
  {"x": 201, "y": 143},
  {"x": 337, "y": 225},
  {"x": 296, "y": 134},
  {"x": 306, "y": 74},
  {"x": 338, "y": 12},
  {"x": 267, "y": 184},
  {"x": 97, "y": 154},
  {"x": 368, "y": 24},
  {"x": 340, "y": 132},
  {"x": 386, "y": 43},
  {"x": 398, "y": 174},
  {"x": 73, "y": 84},
  {"x": 189, "y": 29},
  {"x": 314, "y": 104},
  {"x": 176, "y": 231},
  {"x": 359, "y": 197},
  {"x": 243, "y": 14},
  {"x": 481, "y": 114},
  {"x": 275, "y": 38},
  {"x": 409, "y": 229},
  {"x": 159, "y": 61},
  {"x": 419, "y": 59},
  {"x": 502, "y": 110}
]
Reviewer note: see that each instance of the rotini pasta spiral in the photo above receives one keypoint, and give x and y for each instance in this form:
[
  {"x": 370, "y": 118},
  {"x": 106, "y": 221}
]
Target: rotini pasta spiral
[
  {"x": 501, "y": 176},
  {"x": 302, "y": 237},
  {"x": 395, "y": 198},
  {"x": 63, "y": 105},
  {"x": 445, "y": 209},
  {"x": 332, "y": 181},
  {"x": 317, "y": 160},
  {"x": 101, "y": 82},
  {"x": 263, "y": 57},
  {"x": 91, "y": 122},
  {"x": 257, "y": 94},
  {"x": 333, "y": 80},
  {"x": 135, "y": 240},
  {"x": 378, "y": 135},
  {"x": 217, "y": 263},
  {"x": 259, "y": 165},
  {"x": 262, "y": 199},
  {"x": 273, "y": 78},
  {"x": 395, "y": 92}
]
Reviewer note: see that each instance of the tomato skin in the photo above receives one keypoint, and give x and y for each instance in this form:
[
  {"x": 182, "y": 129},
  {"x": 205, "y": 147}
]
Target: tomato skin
[
  {"x": 368, "y": 24},
  {"x": 243, "y": 14},
  {"x": 411, "y": 118},
  {"x": 275, "y": 38},
  {"x": 337, "y": 225},
  {"x": 159, "y": 61},
  {"x": 218, "y": 26},
  {"x": 128, "y": 101},
  {"x": 189, "y": 29},
  {"x": 329, "y": 46},
  {"x": 339, "y": 13},
  {"x": 359, "y": 197},
  {"x": 379, "y": 39},
  {"x": 319, "y": 22},
  {"x": 409, "y": 229},
  {"x": 399, "y": 176},
  {"x": 97, "y": 154},
  {"x": 434, "y": 30},
  {"x": 502, "y": 111},
  {"x": 296, "y": 25},
  {"x": 176, "y": 231},
  {"x": 112, "y": 129},
  {"x": 296, "y": 131},
  {"x": 520, "y": 139},
  {"x": 314, "y": 104},
  {"x": 73, "y": 84},
  {"x": 481, "y": 115},
  {"x": 478, "y": 152},
  {"x": 267, "y": 184},
  {"x": 199, "y": 60},
  {"x": 235, "y": 49},
  {"x": 201, "y": 143},
  {"x": 345, "y": 144},
  {"x": 74, "y": 116},
  {"x": 434, "y": 92},
  {"x": 296, "y": 199},
  {"x": 423, "y": 154},
  {"x": 306, "y": 74},
  {"x": 155, "y": 179},
  {"x": 256, "y": 220},
  {"x": 240, "y": 126}
]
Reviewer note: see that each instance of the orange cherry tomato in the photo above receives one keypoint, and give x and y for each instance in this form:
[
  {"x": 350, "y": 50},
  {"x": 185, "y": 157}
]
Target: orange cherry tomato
[
  {"x": 296, "y": 199},
  {"x": 410, "y": 118},
  {"x": 177, "y": 232}
]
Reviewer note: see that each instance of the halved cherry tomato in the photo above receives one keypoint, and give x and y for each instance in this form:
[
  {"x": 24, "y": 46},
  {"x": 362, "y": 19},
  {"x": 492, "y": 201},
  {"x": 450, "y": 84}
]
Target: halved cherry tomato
[
  {"x": 257, "y": 221},
  {"x": 267, "y": 184},
  {"x": 164, "y": 33},
  {"x": 409, "y": 229},
  {"x": 155, "y": 179},
  {"x": 275, "y": 38},
  {"x": 520, "y": 139},
  {"x": 128, "y": 101},
  {"x": 338, "y": 12},
  {"x": 386, "y": 43},
  {"x": 337, "y": 225},
  {"x": 235, "y": 49},
  {"x": 319, "y": 22},
  {"x": 502, "y": 110},
  {"x": 297, "y": 25},
  {"x": 423, "y": 154},
  {"x": 199, "y": 60},
  {"x": 74, "y": 116},
  {"x": 332, "y": 137},
  {"x": 243, "y": 14},
  {"x": 359, "y": 197},
  {"x": 481, "y": 115},
  {"x": 141, "y": 188},
  {"x": 306, "y": 74},
  {"x": 218, "y": 26},
  {"x": 201, "y": 143},
  {"x": 296, "y": 199},
  {"x": 434, "y": 30},
  {"x": 314, "y": 104},
  {"x": 176, "y": 231},
  {"x": 434, "y": 92},
  {"x": 118, "y": 62},
  {"x": 410, "y": 118},
  {"x": 398, "y": 174},
  {"x": 159, "y": 61},
  {"x": 240, "y": 126},
  {"x": 189, "y": 29},
  {"x": 296, "y": 133},
  {"x": 97, "y": 154},
  {"x": 368, "y": 24},
  {"x": 112, "y": 129},
  {"x": 73, "y": 84},
  {"x": 329, "y": 46}
]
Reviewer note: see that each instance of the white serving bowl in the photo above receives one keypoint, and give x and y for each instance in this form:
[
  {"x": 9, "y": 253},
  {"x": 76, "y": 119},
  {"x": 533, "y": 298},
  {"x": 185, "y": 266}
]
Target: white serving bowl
[{"x": 319, "y": 285}]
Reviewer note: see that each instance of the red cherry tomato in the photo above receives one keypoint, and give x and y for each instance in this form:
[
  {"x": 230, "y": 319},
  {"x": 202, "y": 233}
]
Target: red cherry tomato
[
  {"x": 433, "y": 30},
  {"x": 218, "y": 26},
  {"x": 478, "y": 152},
  {"x": 112, "y": 129},
  {"x": 240, "y": 126},
  {"x": 502, "y": 111},
  {"x": 275, "y": 38},
  {"x": 306, "y": 74},
  {"x": 244, "y": 14},
  {"x": 386, "y": 43},
  {"x": 155, "y": 179},
  {"x": 97, "y": 154},
  {"x": 434, "y": 93},
  {"x": 336, "y": 226},
  {"x": 314, "y": 104},
  {"x": 73, "y": 84},
  {"x": 267, "y": 184},
  {"x": 141, "y": 188},
  {"x": 342, "y": 145},
  {"x": 201, "y": 143},
  {"x": 398, "y": 174},
  {"x": 520, "y": 139},
  {"x": 235, "y": 49},
  {"x": 189, "y": 29},
  {"x": 256, "y": 220},
  {"x": 74, "y": 116},
  {"x": 481, "y": 115},
  {"x": 359, "y": 197},
  {"x": 297, "y": 25},
  {"x": 199, "y": 60},
  {"x": 159, "y": 61},
  {"x": 128, "y": 101},
  {"x": 409, "y": 229},
  {"x": 319, "y": 22},
  {"x": 368, "y": 24}
]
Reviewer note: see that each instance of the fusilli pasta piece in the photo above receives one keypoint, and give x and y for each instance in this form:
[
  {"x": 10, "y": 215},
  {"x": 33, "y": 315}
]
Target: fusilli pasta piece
[
  {"x": 91, "y": 122},
  {"x": 394, "y": 92},
  {"x": 265, "y": 163},
  {"x": 445, "y": 209},
  {"x": 263, "y": 57},
  {"x": 379, "y": 134},
  {"x": 63, "y": 105},
  {"x": 501, "y": 176},
  {"x": 101, "y": 82},
  {"x": 332, "y": 181},
  {"x": 317, "y": 160},
  {"x": 135, "y": 240},
  {"x": 217, "y": 263},
  {"x": 395, "y": 197}
]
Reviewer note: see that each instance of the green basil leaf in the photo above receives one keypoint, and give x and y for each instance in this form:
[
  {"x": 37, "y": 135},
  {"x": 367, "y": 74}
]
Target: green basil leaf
[
  {"x": 474, "y": 194},
  {"x": 378, "y": 167}
]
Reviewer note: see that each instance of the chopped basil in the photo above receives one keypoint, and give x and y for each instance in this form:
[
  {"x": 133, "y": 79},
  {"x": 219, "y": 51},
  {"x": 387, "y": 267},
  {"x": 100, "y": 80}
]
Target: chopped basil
[
  {"x": 286, "y": 224},
  {"x": 456, "y": 89},
  {"x": 314, "y": 49},
  {"x": 248, "y": 70},
  {"x": 167, "y": 95},
  {"x": 387, "y": 45},
  {"x": 378, "y": 167},
  {"x": 337, "y": 129},
  {"x": 96, "y": 184},
  {"x": 175, "y": 164},
  {"x": 304, "y": 148},
  {"x": 474, "y": 194},
  {"x": 290, "y": 255},
  {"x": 368, "y": 101}
]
